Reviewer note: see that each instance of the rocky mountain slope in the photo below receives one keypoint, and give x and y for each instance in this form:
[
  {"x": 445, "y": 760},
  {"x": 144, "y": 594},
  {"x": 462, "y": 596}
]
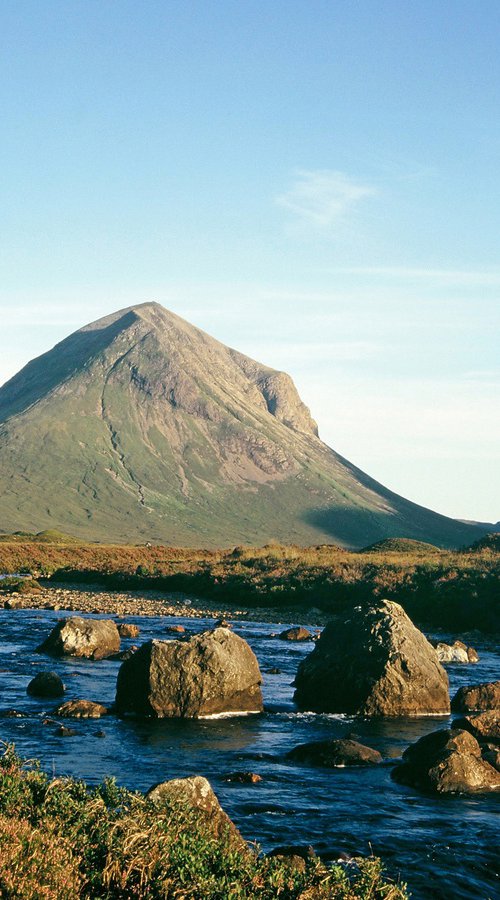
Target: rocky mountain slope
[{"x": 142, "y": 427}]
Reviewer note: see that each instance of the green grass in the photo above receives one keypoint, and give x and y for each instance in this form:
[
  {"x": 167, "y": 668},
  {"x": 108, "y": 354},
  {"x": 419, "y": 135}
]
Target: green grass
[{"x": 61, "y": 840}]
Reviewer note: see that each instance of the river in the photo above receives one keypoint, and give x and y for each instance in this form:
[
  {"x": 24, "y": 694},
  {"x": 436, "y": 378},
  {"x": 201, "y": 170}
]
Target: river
[{"x": 443, "y": 847}]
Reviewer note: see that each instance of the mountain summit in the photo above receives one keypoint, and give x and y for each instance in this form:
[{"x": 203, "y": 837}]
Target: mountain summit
[{"x": 142, "y": 427}]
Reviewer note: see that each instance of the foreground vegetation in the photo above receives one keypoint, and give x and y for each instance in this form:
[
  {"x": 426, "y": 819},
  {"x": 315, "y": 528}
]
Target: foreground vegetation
[
  {"x": 458, "y": 590},
  {"x": 61, "y": 840}
]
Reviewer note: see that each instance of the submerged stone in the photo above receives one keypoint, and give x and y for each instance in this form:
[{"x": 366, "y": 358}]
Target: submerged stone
[
  {"x": 296, "y": 634},
  {"x": 334, "y": 753},
  {"x": 46, "y": 684},
  {"x": 81, "y": 709}
]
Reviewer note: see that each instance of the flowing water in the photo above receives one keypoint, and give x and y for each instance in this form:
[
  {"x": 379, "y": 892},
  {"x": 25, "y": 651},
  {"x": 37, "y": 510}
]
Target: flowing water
[{"x": 444, "y": 847}]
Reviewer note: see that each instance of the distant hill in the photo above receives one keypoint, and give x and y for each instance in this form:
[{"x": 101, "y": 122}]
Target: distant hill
[
  {"x": 401, "y": 545},
  {"x": 142, "y": 427}
]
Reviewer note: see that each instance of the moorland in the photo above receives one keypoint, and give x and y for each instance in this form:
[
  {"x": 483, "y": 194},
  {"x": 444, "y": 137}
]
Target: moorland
[{"x": 458, "y": 590}]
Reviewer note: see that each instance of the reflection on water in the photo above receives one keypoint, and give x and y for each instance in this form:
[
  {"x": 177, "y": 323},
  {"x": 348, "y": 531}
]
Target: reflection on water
[{"x": 443, "y": 846}]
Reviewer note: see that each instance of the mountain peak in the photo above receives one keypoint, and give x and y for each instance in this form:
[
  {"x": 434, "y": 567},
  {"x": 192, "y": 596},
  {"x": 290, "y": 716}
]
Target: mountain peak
[
  {"x": 140, "y": 426},
  {"x": 138, "y": 310}
]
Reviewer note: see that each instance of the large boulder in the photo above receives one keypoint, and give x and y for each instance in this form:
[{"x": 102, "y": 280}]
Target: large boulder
[
  {"x": 335, "y": 753},
  {"x": 477, "y": 697},
  {"x": 76, "y": 636},
  {"x": 447, "y": 761},
  {"x": 213, "y": 673},
  {"x": 373, "y": 663},
  {"x": 195, "y": 794}
]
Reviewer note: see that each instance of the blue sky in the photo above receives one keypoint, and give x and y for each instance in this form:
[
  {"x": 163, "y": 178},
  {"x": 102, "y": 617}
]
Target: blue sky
[{"x": 315, "y": 183}]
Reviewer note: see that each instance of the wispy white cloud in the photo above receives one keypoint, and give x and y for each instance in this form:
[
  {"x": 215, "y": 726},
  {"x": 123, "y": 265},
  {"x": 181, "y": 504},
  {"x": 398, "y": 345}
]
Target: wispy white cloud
[{"x": 321, "y": 198}]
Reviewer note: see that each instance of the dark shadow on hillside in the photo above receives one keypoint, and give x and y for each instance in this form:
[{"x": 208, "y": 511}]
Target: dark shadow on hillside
[
  {"x": 43, "y": 374},
  {"x": 353, "y": 527},
  {"x": 358, "y": 528},
  {"x": 408, "y": 520}
]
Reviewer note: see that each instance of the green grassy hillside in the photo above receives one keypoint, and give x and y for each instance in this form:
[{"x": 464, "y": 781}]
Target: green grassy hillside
[{"x": 141, "y": 427}]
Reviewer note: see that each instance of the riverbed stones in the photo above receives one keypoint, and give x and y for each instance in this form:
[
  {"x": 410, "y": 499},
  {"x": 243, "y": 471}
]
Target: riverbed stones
[
  {"x": 81, "y": 709},
  {"x": 296, "y": 634},
  {"x": 46, "y": 684},
  {"x": 88, "y": 638},
  {"x": 213, "y": 673},
  {"x": 332, "y": 754},
  {"x": 196, "y": 794},
  {"x": 447, "y": 761},
  {"x": 13, "y": 603},
  {"x": 375, "y": 662},
  {"x": 477, "y": 697}
]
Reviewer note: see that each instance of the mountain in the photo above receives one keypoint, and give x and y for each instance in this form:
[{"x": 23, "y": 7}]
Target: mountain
[{"x": 142, "y": 427}]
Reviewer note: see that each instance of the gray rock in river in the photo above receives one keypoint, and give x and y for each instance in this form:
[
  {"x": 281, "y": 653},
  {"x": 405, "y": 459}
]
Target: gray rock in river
[
  {"x": 447, "y": 761},
  {"x": 213, "y": 673},
  {"x": 76, "y": 636},
  {"x": 128, "y": 630},
  {"x": 46, "y": 684},
  {"x": 373, "y": 663}
]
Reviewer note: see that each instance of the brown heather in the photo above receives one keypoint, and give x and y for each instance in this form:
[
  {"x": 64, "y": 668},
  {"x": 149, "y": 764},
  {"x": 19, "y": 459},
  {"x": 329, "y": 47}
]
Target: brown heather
[{"x": 458, "y": 589}]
